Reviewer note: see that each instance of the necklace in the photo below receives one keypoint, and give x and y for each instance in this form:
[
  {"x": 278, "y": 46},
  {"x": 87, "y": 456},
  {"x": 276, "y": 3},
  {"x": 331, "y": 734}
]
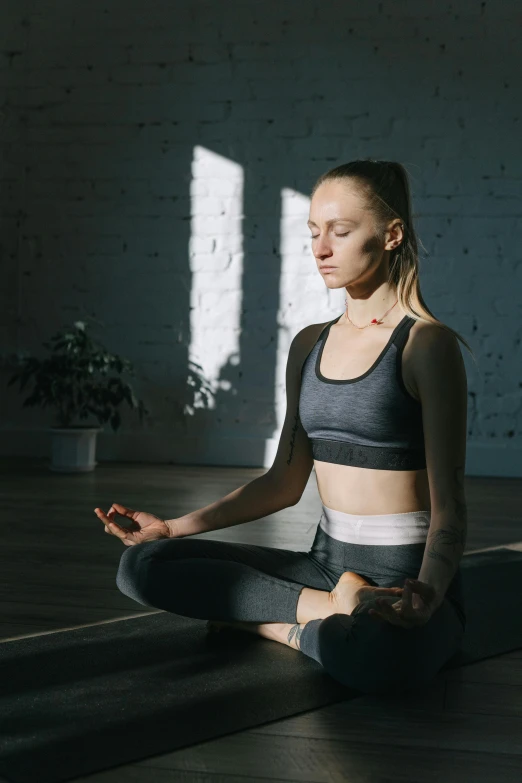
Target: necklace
[{"x": 373, "y": 321}]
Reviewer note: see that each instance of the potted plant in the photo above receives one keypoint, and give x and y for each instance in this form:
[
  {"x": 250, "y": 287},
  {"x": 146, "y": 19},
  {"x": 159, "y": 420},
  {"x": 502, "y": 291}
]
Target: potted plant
[{"x": 73, "y": 380}]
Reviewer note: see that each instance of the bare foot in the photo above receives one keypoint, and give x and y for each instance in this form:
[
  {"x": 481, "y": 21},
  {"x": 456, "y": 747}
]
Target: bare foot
[
  {"x": 343, "y": 596},
  {"x": 350, "y": 591}
]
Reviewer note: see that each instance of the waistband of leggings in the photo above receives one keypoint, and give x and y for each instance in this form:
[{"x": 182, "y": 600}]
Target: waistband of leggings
[{"x": 408, "y": 527}]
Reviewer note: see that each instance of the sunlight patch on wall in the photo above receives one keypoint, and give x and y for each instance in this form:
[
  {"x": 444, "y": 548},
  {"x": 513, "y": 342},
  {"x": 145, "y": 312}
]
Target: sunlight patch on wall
[{"x": 216, "y": 263}]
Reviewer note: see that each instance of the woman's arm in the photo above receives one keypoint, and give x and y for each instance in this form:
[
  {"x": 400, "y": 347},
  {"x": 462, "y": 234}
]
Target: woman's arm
[
  {"x": 440, "y": 377},
  {"x": 259, "y": 498},
  {"x": 284, "y": 483}
]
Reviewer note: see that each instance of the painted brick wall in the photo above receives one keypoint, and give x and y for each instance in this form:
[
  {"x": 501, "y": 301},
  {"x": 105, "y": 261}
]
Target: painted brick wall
[{"x": 157, "y": 161}]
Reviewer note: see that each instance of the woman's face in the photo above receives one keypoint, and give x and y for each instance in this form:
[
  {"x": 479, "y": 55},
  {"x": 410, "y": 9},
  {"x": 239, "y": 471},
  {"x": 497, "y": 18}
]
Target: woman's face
[{"x": 350, "y": 244}]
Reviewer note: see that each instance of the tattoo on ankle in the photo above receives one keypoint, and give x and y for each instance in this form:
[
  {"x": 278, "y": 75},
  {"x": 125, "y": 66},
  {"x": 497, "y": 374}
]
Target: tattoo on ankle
[{"x": 295, "y": 631}]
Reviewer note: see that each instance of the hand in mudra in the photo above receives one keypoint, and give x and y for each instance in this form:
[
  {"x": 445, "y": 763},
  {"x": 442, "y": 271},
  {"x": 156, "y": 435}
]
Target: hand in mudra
[
  {"x": 145, "y": 527},
  {"x": 366, "y": 597},
  {"x": 413, "y": 609},
  {"x": 353, "y": 593}
]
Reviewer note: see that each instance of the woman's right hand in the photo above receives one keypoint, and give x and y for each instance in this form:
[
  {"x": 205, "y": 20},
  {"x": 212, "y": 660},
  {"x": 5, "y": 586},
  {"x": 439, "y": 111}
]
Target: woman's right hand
[{"x": 146, "y": 526}]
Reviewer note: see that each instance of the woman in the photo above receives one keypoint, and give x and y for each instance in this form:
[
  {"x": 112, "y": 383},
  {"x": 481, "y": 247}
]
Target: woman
[{"x": 377, "y": 402}]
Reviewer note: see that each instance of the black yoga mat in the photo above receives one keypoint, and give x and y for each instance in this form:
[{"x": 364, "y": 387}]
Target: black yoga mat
[{"x": 77, "y": 702}]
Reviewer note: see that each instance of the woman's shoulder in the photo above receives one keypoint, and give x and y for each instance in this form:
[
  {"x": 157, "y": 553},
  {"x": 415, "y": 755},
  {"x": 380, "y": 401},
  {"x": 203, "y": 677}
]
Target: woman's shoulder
[
  {"x": 433, "y": 348},
  {"x": 428, "y": 333},
  {"x": 304, "y": 341}
]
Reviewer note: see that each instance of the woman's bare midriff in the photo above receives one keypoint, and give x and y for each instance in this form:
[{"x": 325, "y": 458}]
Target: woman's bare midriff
[
  {"x": 364, "y": 491},
  {"x": 354, "y": 490}
]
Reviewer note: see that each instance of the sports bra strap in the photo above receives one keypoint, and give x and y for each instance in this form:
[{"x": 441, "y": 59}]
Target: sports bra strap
[{"x": 402, "y": 334}]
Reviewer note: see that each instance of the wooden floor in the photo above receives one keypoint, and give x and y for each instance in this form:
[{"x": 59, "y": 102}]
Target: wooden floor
[{"x": 58, "y": 571}]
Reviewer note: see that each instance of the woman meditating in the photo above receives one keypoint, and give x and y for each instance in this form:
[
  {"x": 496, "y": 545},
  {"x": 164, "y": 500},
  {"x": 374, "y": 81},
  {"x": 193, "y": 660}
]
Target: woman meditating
[{"x": 377, "y": 403}]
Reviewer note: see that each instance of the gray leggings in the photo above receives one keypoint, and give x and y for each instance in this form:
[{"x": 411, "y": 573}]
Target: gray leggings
[{"x": 218, "y": 580}]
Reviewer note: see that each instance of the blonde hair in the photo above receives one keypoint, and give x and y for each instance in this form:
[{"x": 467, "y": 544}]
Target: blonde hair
[{"x": 386, "y": 193}]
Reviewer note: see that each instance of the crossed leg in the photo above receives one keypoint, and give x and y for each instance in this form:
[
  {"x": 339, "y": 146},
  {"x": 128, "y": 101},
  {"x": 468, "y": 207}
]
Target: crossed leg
[
  {"x": 312, "y": 604},
  {"x": 262, "y": 586}
]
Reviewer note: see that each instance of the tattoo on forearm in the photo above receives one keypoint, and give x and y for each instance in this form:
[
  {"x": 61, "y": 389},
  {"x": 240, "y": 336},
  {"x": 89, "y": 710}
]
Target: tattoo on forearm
[
  {"x": 294, "y": 430},
  {"x": 453, "y": 537},
  {"x": 296, "y": 631}
]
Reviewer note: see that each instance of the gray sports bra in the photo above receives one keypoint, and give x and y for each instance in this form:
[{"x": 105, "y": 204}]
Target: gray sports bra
[{"x": 371, "y": 421}]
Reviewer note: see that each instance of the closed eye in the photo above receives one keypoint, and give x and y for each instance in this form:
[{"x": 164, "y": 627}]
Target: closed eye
[{"x": 337, "y": 235}]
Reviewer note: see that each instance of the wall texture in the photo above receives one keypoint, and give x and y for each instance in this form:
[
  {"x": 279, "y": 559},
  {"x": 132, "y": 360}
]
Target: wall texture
[{"x": 156, "y": 163}]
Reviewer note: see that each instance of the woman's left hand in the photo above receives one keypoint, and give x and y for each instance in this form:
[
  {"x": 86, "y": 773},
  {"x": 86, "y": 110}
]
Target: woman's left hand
[{"x": 413, "y": 609}]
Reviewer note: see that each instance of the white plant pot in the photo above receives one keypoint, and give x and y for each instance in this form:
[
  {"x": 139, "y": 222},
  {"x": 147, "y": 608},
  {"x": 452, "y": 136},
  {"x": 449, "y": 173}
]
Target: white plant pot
[{"x": 73, "y": 449}]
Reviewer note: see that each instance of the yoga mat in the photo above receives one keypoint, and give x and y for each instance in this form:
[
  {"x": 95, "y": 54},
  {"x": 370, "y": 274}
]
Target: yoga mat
[{"x": 77, "y": 702}]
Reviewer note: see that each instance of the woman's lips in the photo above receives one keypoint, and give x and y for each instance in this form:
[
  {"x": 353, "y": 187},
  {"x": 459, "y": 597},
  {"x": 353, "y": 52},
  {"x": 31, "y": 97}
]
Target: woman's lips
[{"x": 326, "y": 269}]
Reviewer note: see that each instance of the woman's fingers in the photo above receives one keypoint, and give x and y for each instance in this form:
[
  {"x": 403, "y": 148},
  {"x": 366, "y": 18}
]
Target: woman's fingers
[
  {"x": 110, "y": 526},
  {"x": 406, "y": 608},
  {"x": 417, "y": 596},
  {"x": 406, "y": 597},
  {"x": 392, "y": 613},
  {"x": 124, "y": 511},
  {"x": 406, "y": 614},
  {"x": 426, "y": 591}
]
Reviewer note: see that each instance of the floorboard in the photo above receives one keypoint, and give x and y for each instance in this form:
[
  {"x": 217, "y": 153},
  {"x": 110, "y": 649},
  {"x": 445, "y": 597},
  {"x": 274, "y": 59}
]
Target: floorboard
[{"x": 59, "y": 572}]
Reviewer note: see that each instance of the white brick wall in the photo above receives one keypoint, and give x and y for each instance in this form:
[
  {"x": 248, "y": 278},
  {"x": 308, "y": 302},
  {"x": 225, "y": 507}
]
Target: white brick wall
[{"x": 156, "y": 165}]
